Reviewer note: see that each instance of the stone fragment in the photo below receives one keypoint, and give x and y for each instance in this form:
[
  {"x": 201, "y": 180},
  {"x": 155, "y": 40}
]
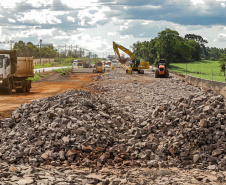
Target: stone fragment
[
  {"x": 203, "y": 123},
  {"x": 216, "y": 152},
  {"x": 195, "y": 158}
]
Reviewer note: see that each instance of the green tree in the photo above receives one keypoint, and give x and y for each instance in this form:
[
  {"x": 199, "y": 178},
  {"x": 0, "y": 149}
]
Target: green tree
[
  {"x": 197, "y": 38},
  {"x": 182, "y": 51},
  {"x": 166, "y": 44},
  {"x": 222, "y": 61},
  {"x": 32, "y": 50},
  {"x": 21, "y": 49},
  {"x": 196, "y": 50}
]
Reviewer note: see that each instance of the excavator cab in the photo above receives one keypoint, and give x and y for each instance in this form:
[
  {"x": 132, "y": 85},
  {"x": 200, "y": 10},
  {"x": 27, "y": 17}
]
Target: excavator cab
[{"x": 135, "y": 62}]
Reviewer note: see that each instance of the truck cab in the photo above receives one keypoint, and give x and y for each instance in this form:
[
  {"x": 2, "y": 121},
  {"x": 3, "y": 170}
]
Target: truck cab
[
  {"x": 75, "y": 63},
  {"x": 5, "y": 69}
]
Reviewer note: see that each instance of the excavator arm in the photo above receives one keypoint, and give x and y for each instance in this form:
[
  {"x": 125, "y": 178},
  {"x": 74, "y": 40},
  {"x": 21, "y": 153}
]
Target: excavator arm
[{"x": 116, "y": 48}]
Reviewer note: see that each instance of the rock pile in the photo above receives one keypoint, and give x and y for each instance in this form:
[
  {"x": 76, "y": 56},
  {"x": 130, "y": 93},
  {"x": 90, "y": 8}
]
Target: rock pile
[
  {"x": 190, "y": 132},
  {"x": 77, "y": 127},
  {"x": 72, "y": 126}
]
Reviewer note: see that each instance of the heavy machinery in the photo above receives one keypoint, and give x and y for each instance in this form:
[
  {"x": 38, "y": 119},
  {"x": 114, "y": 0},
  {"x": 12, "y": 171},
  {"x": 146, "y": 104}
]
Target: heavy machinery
[
  {"x": 135, "y": 64},
  {"x": 161, "y": 71},
  {"x": 15, "y": 71},
  {"x": 99, "y": 68}
]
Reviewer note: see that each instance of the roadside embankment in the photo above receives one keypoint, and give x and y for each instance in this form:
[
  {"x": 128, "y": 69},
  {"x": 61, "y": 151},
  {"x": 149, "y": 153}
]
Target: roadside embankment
[{"x": 217, "y": 87}]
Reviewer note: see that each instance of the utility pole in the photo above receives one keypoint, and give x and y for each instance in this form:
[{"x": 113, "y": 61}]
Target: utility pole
[
  {"x": 11, "y": 41},
  {"x": 71, "y": 51},
  {"x": 80, "y": 52},
  {"x": 58, "y": 52},
  {"x": 40, "y": 51}
]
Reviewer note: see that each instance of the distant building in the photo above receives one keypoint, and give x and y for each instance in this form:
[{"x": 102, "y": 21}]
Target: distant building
[{"x": 111, "y": 57}]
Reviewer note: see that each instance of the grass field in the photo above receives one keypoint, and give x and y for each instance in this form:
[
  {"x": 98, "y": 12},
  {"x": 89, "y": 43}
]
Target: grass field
[{"x": 205, "y": 69}]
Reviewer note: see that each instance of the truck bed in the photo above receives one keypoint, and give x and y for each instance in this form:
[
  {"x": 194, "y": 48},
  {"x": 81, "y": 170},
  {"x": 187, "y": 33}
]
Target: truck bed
[{"x": 24, "y": 67}]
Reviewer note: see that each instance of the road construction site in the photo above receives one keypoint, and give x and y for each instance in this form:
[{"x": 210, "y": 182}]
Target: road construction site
[{"x": 113, "y": 128}]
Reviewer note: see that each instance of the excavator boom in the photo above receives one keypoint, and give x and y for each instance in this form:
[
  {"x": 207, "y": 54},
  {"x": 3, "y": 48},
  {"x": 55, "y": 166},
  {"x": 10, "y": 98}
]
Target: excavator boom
[{"x": 116, "y": 48}]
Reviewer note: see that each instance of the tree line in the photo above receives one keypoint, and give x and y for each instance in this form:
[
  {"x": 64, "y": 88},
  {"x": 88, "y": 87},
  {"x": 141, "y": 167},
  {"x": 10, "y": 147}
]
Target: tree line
[
  {"x": 169, "y": 45},
  {"x": 29, "y": 49}
]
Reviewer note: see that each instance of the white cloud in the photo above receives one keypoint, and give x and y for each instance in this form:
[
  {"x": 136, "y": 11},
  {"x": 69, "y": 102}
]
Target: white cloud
[
  {"x": 39, "y": 3},
  {"x": 79, "y": 3},
  {"x": 40, "y": 16},
  {"x": 221, "y": 38},
  {"x": 111, "y": 33},
  {"x": 196, "y": 2},
  {"x": 124, "y": 37},
  {"x": 223, "y": 5},
  {"x": 90, "y": 16},
  {"x": 11, "y": 20},
  {"x": 71, "y": 19},
  {"x": 9, "y": 4}
]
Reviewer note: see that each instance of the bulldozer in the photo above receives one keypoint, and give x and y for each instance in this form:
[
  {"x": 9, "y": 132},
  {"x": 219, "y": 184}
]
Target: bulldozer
[
  {"x": 161, "y": 71},
  {"x": 99, "y": 68}
]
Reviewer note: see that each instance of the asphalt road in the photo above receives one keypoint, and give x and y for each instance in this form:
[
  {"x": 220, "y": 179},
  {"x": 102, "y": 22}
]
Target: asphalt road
[{"x": 40, "y": 70}]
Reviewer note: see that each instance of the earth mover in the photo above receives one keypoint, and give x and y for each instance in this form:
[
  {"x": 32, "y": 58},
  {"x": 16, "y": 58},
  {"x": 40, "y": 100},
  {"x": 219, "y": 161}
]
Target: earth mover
[
  {"x": 135, "y": 64},
  {"x": 99, "y": 68},
  {"x": 15, "y": 71},
  {"x": 162, "y": 71}
]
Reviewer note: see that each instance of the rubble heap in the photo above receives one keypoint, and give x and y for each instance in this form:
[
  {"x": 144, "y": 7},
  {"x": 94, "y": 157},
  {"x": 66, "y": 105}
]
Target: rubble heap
[
  {"x": 190, "y": 132},
  {"x": 77, "y": 127}
]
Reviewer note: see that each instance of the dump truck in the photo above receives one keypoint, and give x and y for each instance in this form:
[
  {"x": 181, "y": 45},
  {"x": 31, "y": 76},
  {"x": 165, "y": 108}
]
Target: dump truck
[
  {"x": 135, "y": 64},
  {"x": 15, "y": 71},
  {"x": 99, "y": 68},
  {"x": 161, "y": 71}
]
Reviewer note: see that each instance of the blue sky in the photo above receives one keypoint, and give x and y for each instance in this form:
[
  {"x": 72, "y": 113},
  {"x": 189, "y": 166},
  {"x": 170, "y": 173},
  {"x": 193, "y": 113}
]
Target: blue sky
[{"x": 94, "y": 24}]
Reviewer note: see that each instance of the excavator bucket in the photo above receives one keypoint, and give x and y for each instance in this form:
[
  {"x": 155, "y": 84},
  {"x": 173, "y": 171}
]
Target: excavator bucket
[{"x": 123, "y": 61}]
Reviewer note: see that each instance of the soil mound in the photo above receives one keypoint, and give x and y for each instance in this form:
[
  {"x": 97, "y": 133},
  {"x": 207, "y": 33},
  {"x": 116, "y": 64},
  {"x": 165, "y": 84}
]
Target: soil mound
[{"x": 52, "y": 77}]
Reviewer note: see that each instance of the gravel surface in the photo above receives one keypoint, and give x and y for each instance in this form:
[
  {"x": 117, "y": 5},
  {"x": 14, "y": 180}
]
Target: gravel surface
[{"x": 135, "y": 123}]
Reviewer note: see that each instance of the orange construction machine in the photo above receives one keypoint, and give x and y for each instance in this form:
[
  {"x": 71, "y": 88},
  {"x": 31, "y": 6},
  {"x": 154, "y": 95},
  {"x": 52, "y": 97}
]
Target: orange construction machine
[{"x": 162, "y": 71}]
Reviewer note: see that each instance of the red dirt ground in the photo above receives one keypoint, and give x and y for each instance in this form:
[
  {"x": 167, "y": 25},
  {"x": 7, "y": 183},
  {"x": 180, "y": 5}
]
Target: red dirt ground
[{"x": 39, "y": 90}]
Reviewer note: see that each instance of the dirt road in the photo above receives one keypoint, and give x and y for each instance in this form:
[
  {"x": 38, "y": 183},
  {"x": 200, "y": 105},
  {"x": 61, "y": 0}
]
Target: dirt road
[{"x": 49, "y": 86}]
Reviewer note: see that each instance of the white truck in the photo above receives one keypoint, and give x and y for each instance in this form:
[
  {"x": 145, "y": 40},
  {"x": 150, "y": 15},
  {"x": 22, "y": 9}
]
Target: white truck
[{"x": 15, "y": 71}]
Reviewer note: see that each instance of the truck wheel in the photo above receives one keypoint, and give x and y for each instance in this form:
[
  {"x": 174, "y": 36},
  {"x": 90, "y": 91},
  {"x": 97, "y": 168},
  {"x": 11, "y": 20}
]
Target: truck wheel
[
  {"x": 23, "y": 89},
  {"x": 166, "y": 73},
  {"x": 10, "y": 87},
  {"x": 156, "y": 73},
  {"x": 28, "y": 85},
  {"x": 24, "y": 86}
]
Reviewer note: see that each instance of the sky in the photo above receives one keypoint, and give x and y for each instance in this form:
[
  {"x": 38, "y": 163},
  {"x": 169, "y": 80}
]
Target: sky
[{"x": 95, "y": 24}]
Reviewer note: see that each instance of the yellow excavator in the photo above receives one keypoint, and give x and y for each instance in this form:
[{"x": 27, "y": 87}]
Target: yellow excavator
[{"x": 135, "y": 64}]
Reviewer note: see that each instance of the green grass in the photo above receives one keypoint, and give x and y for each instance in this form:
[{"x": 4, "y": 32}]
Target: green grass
[
  {"x": 63, "y": 71},
  {"x": 36, "y": 77},
  {"x": 52, "y": 64},
  {"x": 205, "y": 69}
]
